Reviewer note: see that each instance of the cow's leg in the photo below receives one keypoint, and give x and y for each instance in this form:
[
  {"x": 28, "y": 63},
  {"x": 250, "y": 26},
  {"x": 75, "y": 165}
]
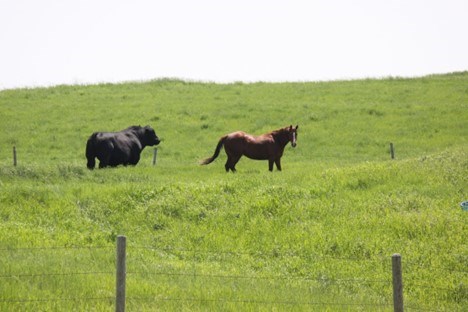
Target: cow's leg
[
  {"x": 91, "y": 163},
  {"x": 104, "y": 152},
  {"x": 104, "y": 160},
  {"x": 135, "y": 159}
]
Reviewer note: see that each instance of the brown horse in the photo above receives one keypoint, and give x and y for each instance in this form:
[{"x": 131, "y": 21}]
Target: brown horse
[{"x": 268, "y": 146}]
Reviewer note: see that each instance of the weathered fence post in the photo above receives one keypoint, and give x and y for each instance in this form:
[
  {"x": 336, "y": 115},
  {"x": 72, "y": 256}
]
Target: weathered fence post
[
  {"x": 397, "y": 283},
  {"x": 392, "y": 151},
  {"x": 14, "y": 156},
  {"x": 121, "y": 274},
  {"x": 154, "y": 155}
]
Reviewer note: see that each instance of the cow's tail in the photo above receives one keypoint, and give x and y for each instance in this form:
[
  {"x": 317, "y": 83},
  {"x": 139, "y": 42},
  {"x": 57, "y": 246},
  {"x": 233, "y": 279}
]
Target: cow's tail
[
  {"x": 216, "y": 153},
  {"x": 90, "y": 155}
]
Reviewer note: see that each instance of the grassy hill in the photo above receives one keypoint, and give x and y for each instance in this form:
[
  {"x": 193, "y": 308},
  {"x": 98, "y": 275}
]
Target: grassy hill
[{"x": 318, "y": 235}]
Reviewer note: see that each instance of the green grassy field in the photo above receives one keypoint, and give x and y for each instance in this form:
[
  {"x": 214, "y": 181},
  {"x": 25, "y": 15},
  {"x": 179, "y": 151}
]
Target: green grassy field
[{"x": 317, "y": 236}]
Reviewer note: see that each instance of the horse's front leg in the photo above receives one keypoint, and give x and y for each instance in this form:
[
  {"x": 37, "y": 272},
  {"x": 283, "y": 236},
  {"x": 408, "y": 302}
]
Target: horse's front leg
[{"x": 278, "y": 164}]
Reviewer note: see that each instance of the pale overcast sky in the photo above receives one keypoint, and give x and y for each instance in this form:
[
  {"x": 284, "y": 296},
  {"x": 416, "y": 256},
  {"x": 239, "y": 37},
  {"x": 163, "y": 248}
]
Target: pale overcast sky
[{"x": 50, "y": 42}]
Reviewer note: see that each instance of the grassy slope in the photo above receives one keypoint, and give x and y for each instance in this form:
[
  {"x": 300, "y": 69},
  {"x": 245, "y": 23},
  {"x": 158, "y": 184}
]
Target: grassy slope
[{"x": 338, "y": 197}]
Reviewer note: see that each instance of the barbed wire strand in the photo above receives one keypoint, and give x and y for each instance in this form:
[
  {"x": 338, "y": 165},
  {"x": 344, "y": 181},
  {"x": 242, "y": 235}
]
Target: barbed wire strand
[
  {"x": 56, "y": 248},
  {"x": 256, "y": 253},
  {"x": 54, "y": 299},
  {"x": 196, "y": 275},
  {"x": 261, "y": 301},
  {"x": 274, "y": 302},
  {"x": 420, "y": 309},
  {"x": 263, "y": 277},
  {"x": 410, "y": 283},
  {"x": 53, "y": 274}
]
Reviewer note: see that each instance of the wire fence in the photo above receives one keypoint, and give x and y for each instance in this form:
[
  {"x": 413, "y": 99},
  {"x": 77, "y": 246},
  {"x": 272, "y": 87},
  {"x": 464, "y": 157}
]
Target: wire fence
[
  {"x": 83, "y": 278},
  {"x": 386, "y": 151}
]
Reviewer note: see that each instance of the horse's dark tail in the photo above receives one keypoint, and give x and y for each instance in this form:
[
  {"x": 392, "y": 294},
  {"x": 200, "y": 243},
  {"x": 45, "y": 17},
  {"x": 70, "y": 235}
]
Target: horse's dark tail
[
  {"x": 216, "y": 153},
  {"x": 90, "y": 155}
]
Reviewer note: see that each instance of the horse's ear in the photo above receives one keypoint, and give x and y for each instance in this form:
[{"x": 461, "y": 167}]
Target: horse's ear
[
  {"x": 297, "y": 126},
  {"x": 290, "y": 127}
]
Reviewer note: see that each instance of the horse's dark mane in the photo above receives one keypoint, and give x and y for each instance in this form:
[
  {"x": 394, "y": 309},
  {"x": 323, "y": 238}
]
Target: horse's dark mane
[
  {"x": 281, "y": 130},
  {"x": 281, "y": 135}
]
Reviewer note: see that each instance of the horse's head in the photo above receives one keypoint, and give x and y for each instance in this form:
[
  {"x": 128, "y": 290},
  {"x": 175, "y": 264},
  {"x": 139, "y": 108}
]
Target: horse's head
[{"x": 292, "y": 135}]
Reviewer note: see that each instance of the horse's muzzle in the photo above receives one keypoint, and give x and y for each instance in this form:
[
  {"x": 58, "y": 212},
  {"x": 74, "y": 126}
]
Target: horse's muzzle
[{"x": 293, "y": 144}]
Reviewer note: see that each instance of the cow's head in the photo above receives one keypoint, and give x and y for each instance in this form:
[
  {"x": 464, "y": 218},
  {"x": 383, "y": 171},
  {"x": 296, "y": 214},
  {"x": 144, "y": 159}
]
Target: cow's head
[{"x": 151, "y": 137}]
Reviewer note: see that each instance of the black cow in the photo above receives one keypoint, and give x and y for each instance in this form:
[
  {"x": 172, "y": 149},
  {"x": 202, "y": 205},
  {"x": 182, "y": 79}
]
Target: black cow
[{"x": 119, "y": 148}]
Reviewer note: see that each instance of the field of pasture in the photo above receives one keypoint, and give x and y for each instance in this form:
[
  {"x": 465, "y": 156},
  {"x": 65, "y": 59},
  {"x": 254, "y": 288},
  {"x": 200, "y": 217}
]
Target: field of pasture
[{"x": 318, "y": 235}]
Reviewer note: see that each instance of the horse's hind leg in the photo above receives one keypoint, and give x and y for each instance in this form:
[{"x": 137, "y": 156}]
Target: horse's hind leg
[
  {"x": 227, "y": 166},
  {"x": 278, "y": 164},
  {"x": 231, "y": 163},
  {"x": 235, "y": 160},
  {"x": 270, "y": 164}
]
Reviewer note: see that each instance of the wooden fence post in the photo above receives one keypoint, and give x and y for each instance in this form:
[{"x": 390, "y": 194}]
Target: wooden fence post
[
  {"x": 397, "y": 283},
  {"x": 121, "y": 274},
  {"x": 392, "y": 151},
  {"x": 14, "y": 156},
  {"x": 154, "y": 155}
]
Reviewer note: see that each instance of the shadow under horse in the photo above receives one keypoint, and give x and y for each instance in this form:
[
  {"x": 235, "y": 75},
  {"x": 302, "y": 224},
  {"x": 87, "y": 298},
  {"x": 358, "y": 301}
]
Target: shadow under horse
[{"x": 268, "y": 146}]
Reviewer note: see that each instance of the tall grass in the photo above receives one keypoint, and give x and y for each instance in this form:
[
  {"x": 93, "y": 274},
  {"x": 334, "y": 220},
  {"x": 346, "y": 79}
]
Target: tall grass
[{"x": 319, "y": 234}]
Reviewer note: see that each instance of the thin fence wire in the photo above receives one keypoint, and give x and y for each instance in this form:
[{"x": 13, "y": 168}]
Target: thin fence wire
[
  {"x": 53, "y": 274},
  {"x": 28, "y": 158},
  {"x": 420, "y": 309},
  {"x": 56, "y": 248},
  {"x": 377, "y": 259},
  {"x": 55, "y": 299},
  {"x": 264, "y": 302},
  {"x": 260, "y": 253},
  {"x": 300, "y": 278},
  {"x": 426, "y": 286}
]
